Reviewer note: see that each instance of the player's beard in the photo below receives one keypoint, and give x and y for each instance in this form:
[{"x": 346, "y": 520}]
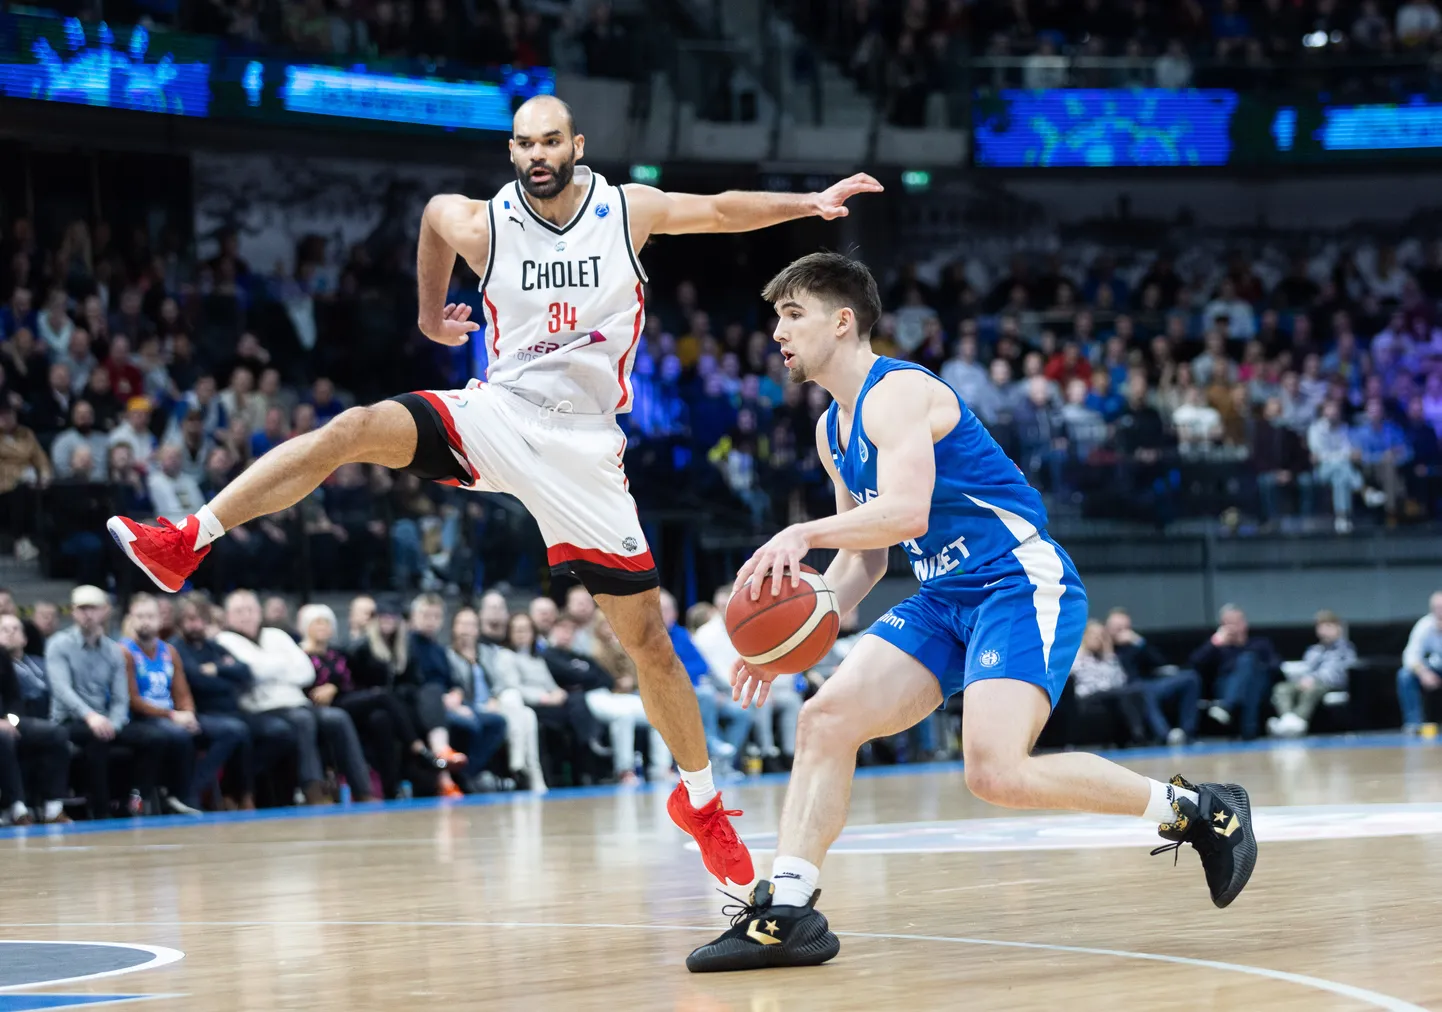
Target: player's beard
[{"x": 560, "y": 179}]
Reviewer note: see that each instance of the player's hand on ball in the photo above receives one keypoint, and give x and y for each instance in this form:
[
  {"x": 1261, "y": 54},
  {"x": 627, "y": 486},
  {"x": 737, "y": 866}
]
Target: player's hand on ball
[
  {"x": 831, "y": 202},
  {"x": 748, "y": 684},
  {"x": 453, "y": 328},
  {"x": 783, "y": 552}
]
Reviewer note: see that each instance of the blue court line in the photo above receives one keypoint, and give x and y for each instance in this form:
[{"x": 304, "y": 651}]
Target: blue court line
[{"x": 1180, "y": 753}]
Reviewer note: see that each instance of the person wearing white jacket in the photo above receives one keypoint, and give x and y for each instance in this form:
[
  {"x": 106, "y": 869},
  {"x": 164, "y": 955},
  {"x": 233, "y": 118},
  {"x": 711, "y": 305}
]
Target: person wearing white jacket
[
  {"x": 283, "y": 673},
  {"x": 468, "y": 672}
]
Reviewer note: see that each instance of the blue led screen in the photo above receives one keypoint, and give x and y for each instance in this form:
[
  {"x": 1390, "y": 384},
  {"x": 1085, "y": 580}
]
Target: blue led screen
[
  {"x": 1104, "y": 127},
  {"x": 125, "y": 68},
  {"x": 1381, "y": 127}
]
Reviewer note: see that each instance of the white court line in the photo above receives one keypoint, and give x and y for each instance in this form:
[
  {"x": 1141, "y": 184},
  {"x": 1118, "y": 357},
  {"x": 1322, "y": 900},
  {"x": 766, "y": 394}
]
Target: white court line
[
  {"x": 1374, "y": 998},
  {"x": 160, "y": 956}
]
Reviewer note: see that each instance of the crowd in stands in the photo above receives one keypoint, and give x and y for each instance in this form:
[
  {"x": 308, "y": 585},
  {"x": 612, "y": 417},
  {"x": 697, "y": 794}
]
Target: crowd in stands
[
  {"x": 1273, "y": 388},
  {"x": 185, "y": 704},
  {"x": 908, "y": 50}
]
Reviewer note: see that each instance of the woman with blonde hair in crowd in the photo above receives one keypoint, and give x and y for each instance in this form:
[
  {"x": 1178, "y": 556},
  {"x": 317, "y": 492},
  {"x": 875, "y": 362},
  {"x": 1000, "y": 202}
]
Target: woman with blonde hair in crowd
[
  {"x": 523, "y": 735},
  {"x": 381, "y": 661},
  {"x": 380, "y": 718}
]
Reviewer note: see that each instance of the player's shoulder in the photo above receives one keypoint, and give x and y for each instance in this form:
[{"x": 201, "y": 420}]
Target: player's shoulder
[{"x": 901, "y": 390}]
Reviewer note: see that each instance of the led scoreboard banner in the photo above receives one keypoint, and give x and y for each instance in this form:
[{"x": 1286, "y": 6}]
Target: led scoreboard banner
[
  {"x": 394, "y": 95},
  {"x": 52, "y": 59},
  {"x": 1084, "y": 128}
]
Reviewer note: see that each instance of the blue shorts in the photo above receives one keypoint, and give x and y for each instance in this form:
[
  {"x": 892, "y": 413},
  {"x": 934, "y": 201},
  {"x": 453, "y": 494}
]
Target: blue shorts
[{"x": 1020, "y": 617}]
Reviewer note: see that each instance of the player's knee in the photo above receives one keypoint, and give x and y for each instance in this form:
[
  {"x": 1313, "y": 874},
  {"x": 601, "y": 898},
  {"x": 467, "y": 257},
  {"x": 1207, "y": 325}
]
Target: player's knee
[
  {"x": 649, "y": 643},
  {"x": 351, "y": 428},
  {"x": 995, "y": 780},
  {"x": 827, "y": 724}
]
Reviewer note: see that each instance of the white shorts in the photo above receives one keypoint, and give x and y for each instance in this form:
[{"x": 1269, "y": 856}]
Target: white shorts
[{"x": 566, "y": 469}]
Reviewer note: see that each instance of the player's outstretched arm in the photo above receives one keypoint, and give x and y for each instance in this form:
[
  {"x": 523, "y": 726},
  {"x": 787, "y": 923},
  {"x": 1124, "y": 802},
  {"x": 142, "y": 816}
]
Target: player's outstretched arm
[
  {"x": 451, "y": 225},
  {"x": 655, "y": 212}
]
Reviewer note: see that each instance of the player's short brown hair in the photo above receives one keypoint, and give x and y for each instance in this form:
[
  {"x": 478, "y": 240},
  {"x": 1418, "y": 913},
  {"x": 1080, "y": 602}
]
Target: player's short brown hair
[{"x": 834, "y": 278}]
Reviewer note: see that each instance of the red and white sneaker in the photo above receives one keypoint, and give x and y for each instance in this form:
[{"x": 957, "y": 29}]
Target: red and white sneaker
[
  {"x": 166, "y": 553},
  {"x": 724, "y": 854}
]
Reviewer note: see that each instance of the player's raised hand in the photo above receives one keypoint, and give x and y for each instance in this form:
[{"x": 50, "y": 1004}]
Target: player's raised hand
[
  {"x": 749, "y": 684},
  {"x": 831, "y": 202},
  {"x": 453, "y": 327},
  {"x": 782, "y": 553}
]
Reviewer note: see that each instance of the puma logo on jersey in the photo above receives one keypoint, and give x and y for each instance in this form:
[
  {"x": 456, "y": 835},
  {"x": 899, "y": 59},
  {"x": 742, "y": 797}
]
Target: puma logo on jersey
[{"x": 518, "y": 221}]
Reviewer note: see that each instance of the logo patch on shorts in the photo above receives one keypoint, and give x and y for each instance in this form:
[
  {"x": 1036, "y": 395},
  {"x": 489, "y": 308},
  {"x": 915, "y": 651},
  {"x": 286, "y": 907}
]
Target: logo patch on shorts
[
  {"x": 989, "y": 658},
  {"x": 630, "y": 544}
]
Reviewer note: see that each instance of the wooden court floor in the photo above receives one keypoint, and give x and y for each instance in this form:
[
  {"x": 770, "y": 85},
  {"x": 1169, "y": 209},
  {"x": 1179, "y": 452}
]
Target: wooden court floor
[{"x": 592, "y": 902}]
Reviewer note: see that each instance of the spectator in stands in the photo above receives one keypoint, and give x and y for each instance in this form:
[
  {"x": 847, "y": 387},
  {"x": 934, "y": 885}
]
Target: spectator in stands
[
  {"x": 174, "y": 493},
  {"x": 193, "y": 442},
  {"x": 1279, "y": 461},
  {"x": 380, "y": 718},
  {"x": 476, "y": 697},
  {"x": 217, "y": 682},
  {"x": 134, "y": 429},
  {"x": 1161, "y": 683},
  {"x": 713, "y": 693},
  {"x": 543, "y": 612},
  {"x": 1322, "y": 669},
  {"x": 1101, "y": 681},
  {"x": 358, "y": 616},
  {"x": 580, "y": 609},
  {"x": 163, "y": 726},
  {"x": 82, "y": 432},
  {"x": 29, "y": 741},
  {"x": 48, "y": 410},
  {"x": 18, "y": 312},
  {"x": 1382, "y": 451},
  {"x": 1238, "y": 667},
  {"x": 519, "y": 666},
  {"x": 282, "y": 673},
  {"x": 90, "y": 693},
  {"x": 964, "y": 373},
  {"x": 434, "y": 697},
  {"x": 1333, "y": 461},
  {"x": 44, "y": 623},
  {"x": 1418, "y": 22},
  {"x": 1198, "y": 425},
  {"x": 1421, "y": 670},
  {"x": 54, "y": 325}
]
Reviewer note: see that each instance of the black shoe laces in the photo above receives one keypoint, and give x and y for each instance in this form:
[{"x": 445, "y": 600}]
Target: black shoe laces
[{"x": 738, "y": 910}]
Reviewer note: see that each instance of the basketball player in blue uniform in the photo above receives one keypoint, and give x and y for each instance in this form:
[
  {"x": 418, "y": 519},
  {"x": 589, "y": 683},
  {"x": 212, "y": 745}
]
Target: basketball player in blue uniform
[{"x": 999, "y": 616}]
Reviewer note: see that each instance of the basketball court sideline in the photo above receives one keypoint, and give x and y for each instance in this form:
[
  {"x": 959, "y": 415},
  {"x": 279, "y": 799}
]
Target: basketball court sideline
[{"x": 591, "y": 900}]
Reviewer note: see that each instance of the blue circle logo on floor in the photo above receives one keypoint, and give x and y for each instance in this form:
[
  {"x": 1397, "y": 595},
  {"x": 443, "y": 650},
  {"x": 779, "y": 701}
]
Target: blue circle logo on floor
[{"x": 30, "y": 964}]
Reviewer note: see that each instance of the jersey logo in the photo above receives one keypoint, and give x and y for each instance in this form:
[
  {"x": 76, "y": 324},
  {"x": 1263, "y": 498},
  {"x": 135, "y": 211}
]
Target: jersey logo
[
  {"x": 602, "y": 210},
  {"x": 518, "y": 221},
  {"x": 861, "y": 444},
  {"x": 989, "y": 658},
  {"x": 561, "y": 246}
]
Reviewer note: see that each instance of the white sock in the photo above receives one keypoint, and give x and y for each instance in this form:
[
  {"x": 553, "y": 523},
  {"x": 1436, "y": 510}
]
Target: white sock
[
  {"x": 699, "y": 785},
  {"x": 18, "y": 811},
  {"x": 1159, "y": 806},
  {"x": 210, "y": 528},
  {"x": 793, "y": 880},
  {"x": 53, "y": 810}
]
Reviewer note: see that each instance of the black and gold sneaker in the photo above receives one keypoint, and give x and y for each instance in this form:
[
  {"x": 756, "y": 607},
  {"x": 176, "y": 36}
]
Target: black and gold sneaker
[
  {"x": 763, "y": 935},
  {"x": 1219, "y": 828}
]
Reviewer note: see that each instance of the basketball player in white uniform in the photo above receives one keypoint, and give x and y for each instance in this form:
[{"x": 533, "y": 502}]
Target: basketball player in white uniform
[{"x": 562, "y": 293}]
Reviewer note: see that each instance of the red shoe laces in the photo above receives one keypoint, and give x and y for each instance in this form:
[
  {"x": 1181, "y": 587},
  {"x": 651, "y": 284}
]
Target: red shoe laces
[{"x": 718, "y": 824}]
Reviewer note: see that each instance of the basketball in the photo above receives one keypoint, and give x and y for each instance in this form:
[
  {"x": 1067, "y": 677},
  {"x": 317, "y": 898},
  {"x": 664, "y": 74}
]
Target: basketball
[{"x": 786, "y": 633}]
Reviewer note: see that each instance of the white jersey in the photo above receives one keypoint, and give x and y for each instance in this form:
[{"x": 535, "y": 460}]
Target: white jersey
[{"x": 564, "y": 305}]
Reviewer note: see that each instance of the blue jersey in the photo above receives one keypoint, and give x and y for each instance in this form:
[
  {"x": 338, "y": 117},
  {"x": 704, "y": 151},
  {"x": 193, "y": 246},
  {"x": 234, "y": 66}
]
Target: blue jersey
[
  {"x": 981, "y": 506},
  {"x": 998, "y": 597},
  {"x": 153, "y": 675}
]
